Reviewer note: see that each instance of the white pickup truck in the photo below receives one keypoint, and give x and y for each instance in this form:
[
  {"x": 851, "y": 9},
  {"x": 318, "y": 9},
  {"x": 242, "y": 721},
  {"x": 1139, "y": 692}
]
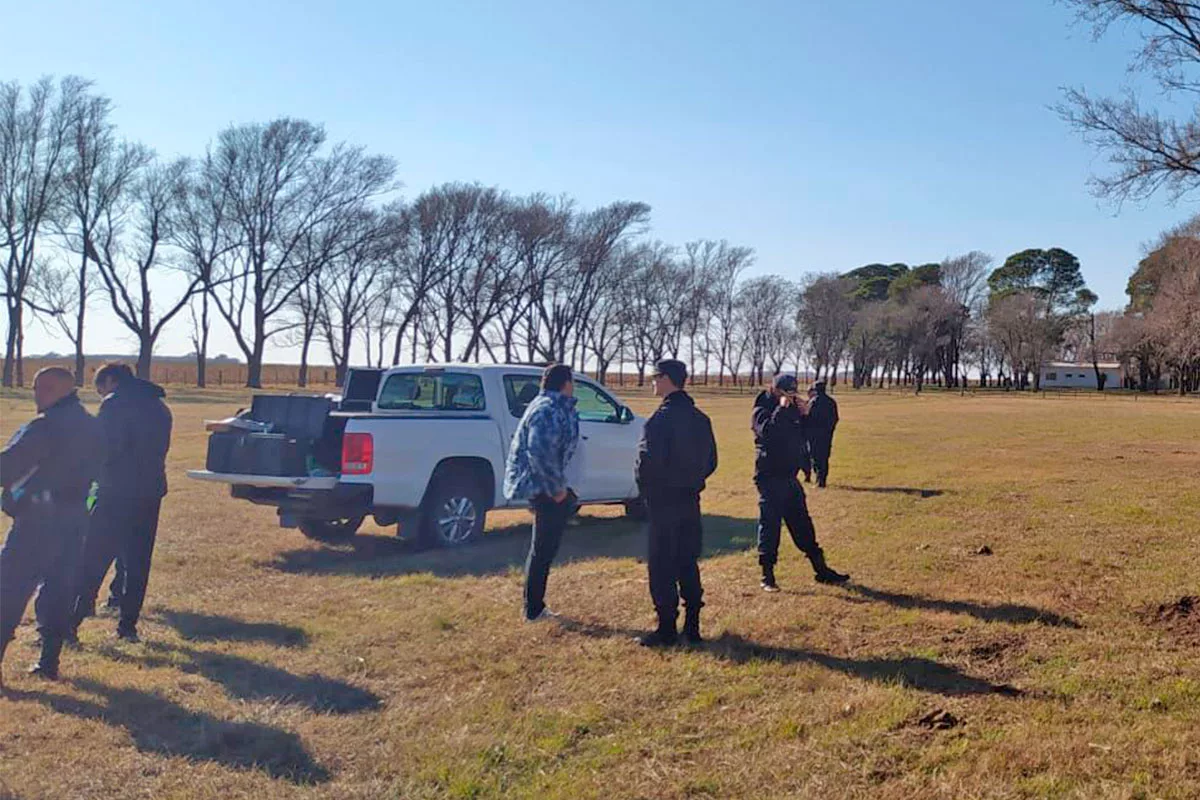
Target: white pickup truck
[{"x": 422, "y": 446}]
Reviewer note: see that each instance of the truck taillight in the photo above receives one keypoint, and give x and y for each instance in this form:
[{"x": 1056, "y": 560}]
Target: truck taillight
[{"x": 358, "y": 454}]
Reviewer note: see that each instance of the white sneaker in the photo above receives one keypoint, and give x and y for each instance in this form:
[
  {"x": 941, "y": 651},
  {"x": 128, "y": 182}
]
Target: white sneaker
[{"x": 546, "y": 616}]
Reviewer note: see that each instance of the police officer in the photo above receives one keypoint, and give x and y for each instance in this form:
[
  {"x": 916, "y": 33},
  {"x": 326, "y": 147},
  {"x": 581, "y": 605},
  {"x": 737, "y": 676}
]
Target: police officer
[
  {"x": 779, "y": 439},
  {"x": 676, "y": 455},
  {"x": 133, "y": 481},
  {"x": 46, "y": 471},
  {"x": 822, "y": 420}
]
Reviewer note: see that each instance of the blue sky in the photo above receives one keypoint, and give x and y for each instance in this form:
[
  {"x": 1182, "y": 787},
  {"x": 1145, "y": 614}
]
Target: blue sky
[{"x": 825, "y": 135}]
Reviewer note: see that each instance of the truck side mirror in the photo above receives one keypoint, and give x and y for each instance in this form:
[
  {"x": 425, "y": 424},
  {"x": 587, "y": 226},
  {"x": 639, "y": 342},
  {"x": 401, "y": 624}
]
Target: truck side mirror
[{"x": 626, "y": 415}]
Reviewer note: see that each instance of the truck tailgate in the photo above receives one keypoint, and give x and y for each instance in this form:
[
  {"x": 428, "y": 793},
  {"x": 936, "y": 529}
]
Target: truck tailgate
[{"x": 265, "y": 481}]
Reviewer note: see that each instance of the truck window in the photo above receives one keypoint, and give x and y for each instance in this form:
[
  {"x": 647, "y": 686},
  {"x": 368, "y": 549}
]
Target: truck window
[
  {"x": 594, "y": 405},
  {"x": 519, "y": 391},
  {"x": 446, "y": 391}
]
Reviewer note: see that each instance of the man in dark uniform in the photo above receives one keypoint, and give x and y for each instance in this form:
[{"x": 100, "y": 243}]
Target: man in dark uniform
[
  {"x": 676, "y": 455},
  {"x": 133, "y": 481},
  {"x": 821, "y": 422},
  {"x": 46, "y": 471},
  {"x": 779, "y": 438}
]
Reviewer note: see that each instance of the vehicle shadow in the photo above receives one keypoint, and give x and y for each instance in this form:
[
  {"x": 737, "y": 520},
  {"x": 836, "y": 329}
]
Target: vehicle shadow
[
  {"x": 161, "y": 726},
  {"x": 909, "y": 490},
  {"x": 501, "y": 550},
  {"x": 250, "y": 680},
  {"x": 916, "y": 672},
  {"x": 198, "y": 627},
  {"x": 988, "y": 612}
]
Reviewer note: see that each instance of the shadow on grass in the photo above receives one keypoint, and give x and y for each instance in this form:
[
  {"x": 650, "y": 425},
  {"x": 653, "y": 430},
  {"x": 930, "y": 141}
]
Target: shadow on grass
[
  {"x": 219, "y": 628},
  {"x": 254, "y": 681},
  {"x": 909, "y": 490},
  {"x": 988, "y": 612},
  {"x": 501, "y": 550},
  {"x": 915, "y": 672},
  {"x": 161, "y": 726},
  {"x": 924, "y": 674}
]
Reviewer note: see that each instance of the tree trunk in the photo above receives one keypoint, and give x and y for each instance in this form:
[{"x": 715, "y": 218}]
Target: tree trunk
[
  {"x": 145, "y": 356},
  {"x": 12, "y": 369}
]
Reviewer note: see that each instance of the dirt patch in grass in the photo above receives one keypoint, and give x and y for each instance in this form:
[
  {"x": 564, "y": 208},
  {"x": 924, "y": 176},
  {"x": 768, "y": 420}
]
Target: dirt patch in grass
[{"x": 1179, "y": 618}]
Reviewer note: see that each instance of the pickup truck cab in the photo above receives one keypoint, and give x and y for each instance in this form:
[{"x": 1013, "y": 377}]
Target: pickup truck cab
[{"x": 422, "y": 446}]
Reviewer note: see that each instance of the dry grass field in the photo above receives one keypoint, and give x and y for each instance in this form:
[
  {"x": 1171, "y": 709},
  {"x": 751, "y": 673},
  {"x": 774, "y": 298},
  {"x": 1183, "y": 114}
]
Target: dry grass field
[{"x": 274, "y": 667}]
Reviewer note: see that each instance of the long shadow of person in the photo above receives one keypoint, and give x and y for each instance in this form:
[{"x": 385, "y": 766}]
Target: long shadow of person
[
  {"x": 251, "y": 680},
  {"x": 199, "y": 627},
  {"x": 989, "y": 612},
  {"x": 158, "y": 725},
  {"x": 919, "y": 673},
  {"x": 916, "y": 672},
  {"x": 909, "y": 490}
]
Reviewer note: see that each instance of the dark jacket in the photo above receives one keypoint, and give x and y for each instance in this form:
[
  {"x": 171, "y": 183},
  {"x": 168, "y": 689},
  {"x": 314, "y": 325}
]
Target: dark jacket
[
  {"x": 780, "y": 447},
  {"x": 137, "y": 435},
  {"x": 677, "y": 451},
  {"x": 52, "y": 460},
  {"x": 822, "y": 416}
]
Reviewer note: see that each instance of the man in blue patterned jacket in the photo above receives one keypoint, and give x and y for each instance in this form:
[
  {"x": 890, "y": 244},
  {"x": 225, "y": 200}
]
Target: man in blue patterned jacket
[{"x": 542, "y": 446}]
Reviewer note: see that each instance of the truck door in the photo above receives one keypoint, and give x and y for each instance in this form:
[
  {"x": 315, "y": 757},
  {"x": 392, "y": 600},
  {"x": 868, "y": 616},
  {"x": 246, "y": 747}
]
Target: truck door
[
  {"x": 608, "y": 441},
  {"x": 584, "y": 473}
]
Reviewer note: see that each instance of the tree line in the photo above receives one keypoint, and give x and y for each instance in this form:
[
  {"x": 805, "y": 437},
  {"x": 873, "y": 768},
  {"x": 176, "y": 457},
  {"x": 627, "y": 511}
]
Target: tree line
[{"x": 279, "y": 235}]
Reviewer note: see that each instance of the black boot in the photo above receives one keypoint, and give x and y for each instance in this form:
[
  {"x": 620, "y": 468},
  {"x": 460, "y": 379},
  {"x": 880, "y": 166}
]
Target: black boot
[
  {"x": 768, "y": 578},
  {"x": 664, "y": 635},
  {"x": 691, "y": 627},
  {"x": 47, "y": 666},
  {"x": 822, "y": 571}
]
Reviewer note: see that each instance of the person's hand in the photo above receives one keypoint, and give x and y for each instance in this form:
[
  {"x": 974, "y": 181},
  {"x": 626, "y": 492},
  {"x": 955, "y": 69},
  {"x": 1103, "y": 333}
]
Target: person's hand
[
  {"x": 785, "y": 401},
  {"x": 558, "y": 498}
]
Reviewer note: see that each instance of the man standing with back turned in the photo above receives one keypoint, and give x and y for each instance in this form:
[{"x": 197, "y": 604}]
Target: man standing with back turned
[
  {"x": 779, "y": 440},
  {"x": 821, "y": 422},
  {"x": 542, "y": 446},
  {"x": 45, "y": 472},
  {"x": 676, "y": 456},
  {"x": 133, "y": 481}
]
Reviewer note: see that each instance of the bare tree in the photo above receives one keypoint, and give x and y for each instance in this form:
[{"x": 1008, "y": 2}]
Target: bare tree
[
  {"x": 351, "y": 283},
  {"x": 98, "y": 177},
  {"x": 543, "y": 245},
  {"x": 279, "y": 187},
  {"x": 826, "y": 316},
  {"x": 1148, "y": 150},
  {"x": 766, "y": 307},
  {"x": 35, "y": 146},
  {"x": 199, "y": 336},
  {"x": 129, "y": 248},
  {"x": 727, "y": 263}
]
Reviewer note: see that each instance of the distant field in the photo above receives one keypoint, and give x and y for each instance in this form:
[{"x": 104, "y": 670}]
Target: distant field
[{"x": 272, "y": 667}]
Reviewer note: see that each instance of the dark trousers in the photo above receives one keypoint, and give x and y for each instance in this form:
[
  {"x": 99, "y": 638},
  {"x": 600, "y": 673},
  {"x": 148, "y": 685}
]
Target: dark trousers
[
  {"x": 122, "y": 528},
  {"x": 549, "y": 522},
  {"x": 41, "y": 555},
  {"x": 819, "y": 447},
  {"x": 674, "y": 559},
  {"x": 781, "y": 501}
]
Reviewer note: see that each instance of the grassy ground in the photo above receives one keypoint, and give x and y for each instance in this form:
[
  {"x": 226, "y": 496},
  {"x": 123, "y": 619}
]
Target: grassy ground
[{"x": 274, "y": 667}]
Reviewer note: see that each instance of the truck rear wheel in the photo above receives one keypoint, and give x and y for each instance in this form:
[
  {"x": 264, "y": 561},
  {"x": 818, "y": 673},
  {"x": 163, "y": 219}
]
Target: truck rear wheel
[
  {"x": 332, "y": 531},
  {"x": 455, "y": 510}
]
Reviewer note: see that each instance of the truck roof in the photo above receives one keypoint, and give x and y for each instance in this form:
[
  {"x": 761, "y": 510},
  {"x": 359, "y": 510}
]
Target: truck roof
[{"x": 522, "y": 369}]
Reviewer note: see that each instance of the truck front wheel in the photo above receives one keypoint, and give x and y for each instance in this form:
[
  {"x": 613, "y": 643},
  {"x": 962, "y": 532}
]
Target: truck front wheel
[
  {"x": 454, "y": 512},
  {"x": 332, "y": 531}
]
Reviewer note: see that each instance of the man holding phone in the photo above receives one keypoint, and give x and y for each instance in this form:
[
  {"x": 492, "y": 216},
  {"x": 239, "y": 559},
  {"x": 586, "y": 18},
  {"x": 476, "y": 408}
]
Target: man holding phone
[
  {"x": 542, "y": 446},
  {"x": 780, "y": 453}
]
